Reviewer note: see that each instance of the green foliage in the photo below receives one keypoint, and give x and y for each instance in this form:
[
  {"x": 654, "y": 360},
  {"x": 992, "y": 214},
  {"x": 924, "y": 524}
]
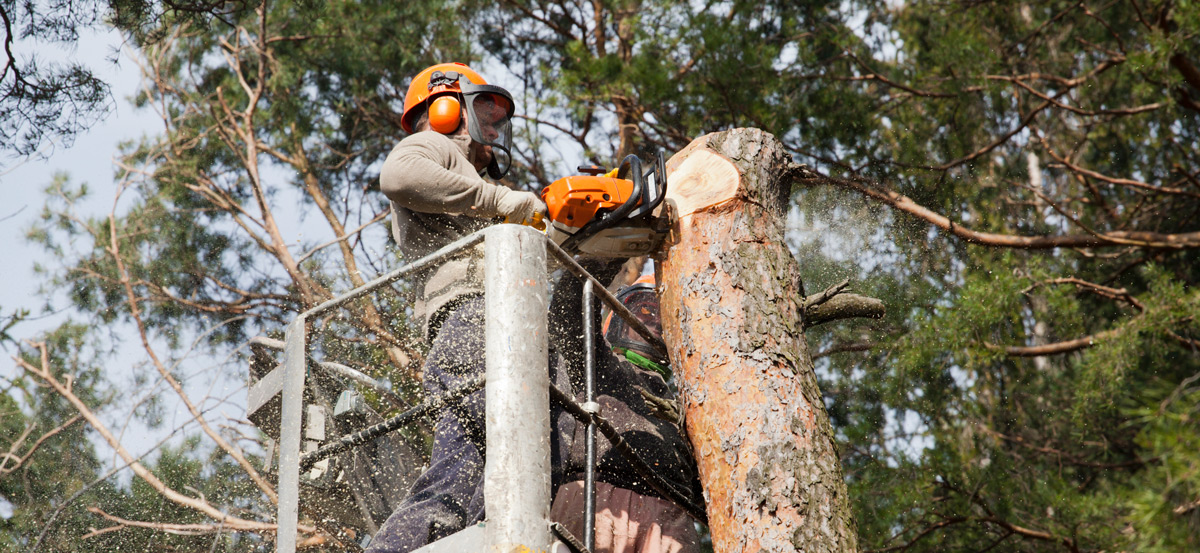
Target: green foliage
[
  {"x": 7, "y": 322},
  {"x": 1014, "y": 120},
  {"x": 44, "y": 102},
  {"x": 950, "y": 442},
  {"x": 64, "y": 461},
  {"x": 1162, "y": 500}
]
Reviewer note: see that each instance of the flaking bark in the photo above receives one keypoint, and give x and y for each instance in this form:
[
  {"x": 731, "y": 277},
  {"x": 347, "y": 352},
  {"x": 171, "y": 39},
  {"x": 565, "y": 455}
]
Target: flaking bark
[{"x": 733, "y": 318}]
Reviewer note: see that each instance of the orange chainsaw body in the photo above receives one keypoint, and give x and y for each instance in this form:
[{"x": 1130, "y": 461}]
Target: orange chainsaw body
[
  {"x": 608, "y": 214},
  {"x": 574, "y": 201}
]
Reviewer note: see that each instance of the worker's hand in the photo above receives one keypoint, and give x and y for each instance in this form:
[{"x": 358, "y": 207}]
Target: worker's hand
[{"x": 521, "y": 207}]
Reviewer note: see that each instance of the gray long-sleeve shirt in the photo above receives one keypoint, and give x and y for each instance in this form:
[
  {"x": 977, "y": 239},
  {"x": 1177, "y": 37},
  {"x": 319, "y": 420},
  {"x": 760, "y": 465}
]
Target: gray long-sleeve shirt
[{"x": 438, "y": 197}]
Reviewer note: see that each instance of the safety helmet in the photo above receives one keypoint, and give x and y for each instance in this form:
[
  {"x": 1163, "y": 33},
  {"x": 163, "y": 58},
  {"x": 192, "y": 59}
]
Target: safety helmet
[
  {"x": 446, "y": 90},
  {"x": 642, "y": 301}
]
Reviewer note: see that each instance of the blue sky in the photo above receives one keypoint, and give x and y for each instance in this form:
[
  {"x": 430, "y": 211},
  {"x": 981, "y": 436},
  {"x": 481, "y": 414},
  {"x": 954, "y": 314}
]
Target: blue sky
[{"x": 88, "y": 159}]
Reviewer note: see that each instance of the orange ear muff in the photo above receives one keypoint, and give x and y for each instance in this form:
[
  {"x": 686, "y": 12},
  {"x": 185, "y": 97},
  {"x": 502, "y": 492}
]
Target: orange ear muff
[{"x": 444, "y": 114}]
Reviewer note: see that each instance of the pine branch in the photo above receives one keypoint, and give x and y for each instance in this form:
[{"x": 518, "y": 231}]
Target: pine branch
[{"x": 835, "y": 304}]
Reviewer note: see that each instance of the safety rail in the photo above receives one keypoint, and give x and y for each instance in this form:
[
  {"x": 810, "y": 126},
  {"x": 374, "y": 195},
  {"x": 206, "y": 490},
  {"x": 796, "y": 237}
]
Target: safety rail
[{"x": 516, "y": 470}]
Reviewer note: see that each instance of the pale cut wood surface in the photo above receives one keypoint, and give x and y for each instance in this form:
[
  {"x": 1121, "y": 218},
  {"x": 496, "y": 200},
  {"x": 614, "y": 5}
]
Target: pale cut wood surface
[{"x": 704, "y": 179}]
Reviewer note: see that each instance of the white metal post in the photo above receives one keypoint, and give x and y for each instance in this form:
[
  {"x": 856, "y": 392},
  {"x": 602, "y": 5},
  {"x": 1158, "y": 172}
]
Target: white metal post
[
  {"x": 290, "y": 424},
  {"x": 517, "y": 471}
]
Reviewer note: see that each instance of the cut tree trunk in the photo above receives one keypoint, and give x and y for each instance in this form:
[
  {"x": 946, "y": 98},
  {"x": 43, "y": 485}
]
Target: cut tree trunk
[{"x": 732, "y": 313}]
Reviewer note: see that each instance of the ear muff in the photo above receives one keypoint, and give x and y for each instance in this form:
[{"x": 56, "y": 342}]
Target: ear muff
[{"x": 445, "y": 113}]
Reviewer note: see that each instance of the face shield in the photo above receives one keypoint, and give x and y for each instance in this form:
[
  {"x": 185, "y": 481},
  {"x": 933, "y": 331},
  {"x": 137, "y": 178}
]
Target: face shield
[
  {"x": 489, "y": 121},
  {"x": 641, "y": 300}
]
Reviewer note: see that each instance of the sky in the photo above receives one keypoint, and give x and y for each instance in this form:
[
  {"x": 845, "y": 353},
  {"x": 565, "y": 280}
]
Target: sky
[{"x": 88, "y": 159}]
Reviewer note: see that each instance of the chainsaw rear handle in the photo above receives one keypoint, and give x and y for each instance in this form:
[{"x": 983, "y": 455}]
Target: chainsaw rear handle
[
  {"x": 646, "y": 204},
  {"x": 537, "y": 222}
]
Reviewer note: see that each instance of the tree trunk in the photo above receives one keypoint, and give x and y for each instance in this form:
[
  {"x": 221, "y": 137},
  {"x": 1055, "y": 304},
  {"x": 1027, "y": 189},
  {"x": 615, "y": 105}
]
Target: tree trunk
[{"x": 732, "y": 309}]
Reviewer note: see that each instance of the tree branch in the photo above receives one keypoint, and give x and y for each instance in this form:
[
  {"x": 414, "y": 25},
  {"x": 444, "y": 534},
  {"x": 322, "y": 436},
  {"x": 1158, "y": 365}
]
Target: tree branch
[
  {"x": 135, "y": 313},
  {"x": 44, "y": 373},
  {"x": 844, "y": 348},
  {"x": 4, "y": 469},
  {"x": 903, "y": 203},
  {"x": 843, "y": 306},
  {"x": 833, "y": 304},
  {"x": 1053, "y": 349},
  {"x": 829, "y": 293}
]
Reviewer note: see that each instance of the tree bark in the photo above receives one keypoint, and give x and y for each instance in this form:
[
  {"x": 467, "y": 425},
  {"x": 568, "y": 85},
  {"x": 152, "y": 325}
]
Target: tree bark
[{"x": 732, "y": 313}]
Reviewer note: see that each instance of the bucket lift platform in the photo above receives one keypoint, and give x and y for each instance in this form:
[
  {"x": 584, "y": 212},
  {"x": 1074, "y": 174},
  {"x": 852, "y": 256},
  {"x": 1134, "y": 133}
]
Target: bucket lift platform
[{"x": 311, "y": 415}]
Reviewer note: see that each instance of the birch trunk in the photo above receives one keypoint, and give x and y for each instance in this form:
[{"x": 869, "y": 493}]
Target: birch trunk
[{"x": 732, "y": 306}]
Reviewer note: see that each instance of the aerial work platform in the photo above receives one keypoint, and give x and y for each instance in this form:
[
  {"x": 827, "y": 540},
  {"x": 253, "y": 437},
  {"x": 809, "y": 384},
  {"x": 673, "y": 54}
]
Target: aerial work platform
[{"x": 329, "y": 440}]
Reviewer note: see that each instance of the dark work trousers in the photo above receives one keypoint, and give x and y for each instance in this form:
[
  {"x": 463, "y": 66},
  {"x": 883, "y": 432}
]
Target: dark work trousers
[{"x": 449, "y": 495}]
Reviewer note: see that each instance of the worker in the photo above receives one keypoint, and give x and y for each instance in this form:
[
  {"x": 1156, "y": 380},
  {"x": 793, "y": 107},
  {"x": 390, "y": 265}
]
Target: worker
[
  {"x": 460, "y": 128},
  {"x": 631, "y": 516},
  {"x": 641, "y": 300}
]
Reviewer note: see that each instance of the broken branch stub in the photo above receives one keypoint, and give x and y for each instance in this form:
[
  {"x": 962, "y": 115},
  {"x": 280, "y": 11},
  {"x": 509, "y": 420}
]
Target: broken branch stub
[{"x": 732, "y": 313}]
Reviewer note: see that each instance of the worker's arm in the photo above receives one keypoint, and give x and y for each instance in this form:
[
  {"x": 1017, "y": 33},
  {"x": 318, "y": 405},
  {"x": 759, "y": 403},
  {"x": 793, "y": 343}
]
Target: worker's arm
[{"x": 428, "y": 173}]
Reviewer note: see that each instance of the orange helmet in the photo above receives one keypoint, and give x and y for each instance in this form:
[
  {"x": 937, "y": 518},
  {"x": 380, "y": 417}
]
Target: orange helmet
[{"x": 444, "y": 90}]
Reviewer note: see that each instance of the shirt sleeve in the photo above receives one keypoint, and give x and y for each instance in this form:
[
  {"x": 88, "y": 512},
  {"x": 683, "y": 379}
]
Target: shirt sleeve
[{"x": 417, "y": 175}]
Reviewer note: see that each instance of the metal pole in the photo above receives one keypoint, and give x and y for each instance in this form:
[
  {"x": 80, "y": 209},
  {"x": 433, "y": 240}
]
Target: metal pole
[
  {"x": 590, "y": 406},
  {"x": 516, "y": 487},
  {"x": 608, "y": 298},
  {"x": 458, "y": 248},
  {"x": 294, "y": 357},
  {"x": 339, "y": 369}
]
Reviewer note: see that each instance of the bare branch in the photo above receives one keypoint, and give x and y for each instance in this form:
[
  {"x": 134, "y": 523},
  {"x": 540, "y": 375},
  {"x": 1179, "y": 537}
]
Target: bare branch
[
  {"x": 316, "y": 249},
  {"x": 44, "y": 373},
  {"x": 844, "y": 348},
  {"x": 114, "y": 251},
  {"x": 843, "y": 306},
  {"x": 903, "y": 203},
  {"x": 167, "y": 527},
  {"x": 4, "y": 469},
  {"x": 1112, "y": 180},
  {"x": 1099, "y": 289},
  {"x": 813, "y": 301},
  {"x": 1055, "y": 348}
]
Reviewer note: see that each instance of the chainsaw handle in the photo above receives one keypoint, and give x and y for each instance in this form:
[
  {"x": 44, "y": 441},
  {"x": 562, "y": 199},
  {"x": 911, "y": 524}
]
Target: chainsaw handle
[
  {"x": 641, "y": 188},
  {"x": 537, "y": 222},
  {"x": 598, "y": 224},
  {"x": 631, "y": 164},
  {"x": 634, "y": 165}
]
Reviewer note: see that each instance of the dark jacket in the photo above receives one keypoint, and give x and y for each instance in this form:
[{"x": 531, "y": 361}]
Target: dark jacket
[{"x": 629, "y": 398}]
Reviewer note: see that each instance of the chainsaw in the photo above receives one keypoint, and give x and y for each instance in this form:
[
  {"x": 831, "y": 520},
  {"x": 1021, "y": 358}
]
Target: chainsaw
[{"x": 608, "y": 213}]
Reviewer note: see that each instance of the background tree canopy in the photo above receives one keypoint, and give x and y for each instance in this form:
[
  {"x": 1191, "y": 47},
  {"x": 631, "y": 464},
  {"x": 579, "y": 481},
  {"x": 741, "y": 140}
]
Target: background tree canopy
[{"x": 1019, "y": 181}]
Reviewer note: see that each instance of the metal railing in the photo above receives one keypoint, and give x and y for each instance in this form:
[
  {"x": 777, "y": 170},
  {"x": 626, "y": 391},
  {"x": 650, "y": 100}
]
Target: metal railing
[{"x": 517, "y": 465}]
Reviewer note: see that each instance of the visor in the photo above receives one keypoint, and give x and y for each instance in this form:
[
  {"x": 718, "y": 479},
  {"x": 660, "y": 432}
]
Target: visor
[
  {"x": 641, "y": 300},
  {"x": 489, "y": 121}
]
